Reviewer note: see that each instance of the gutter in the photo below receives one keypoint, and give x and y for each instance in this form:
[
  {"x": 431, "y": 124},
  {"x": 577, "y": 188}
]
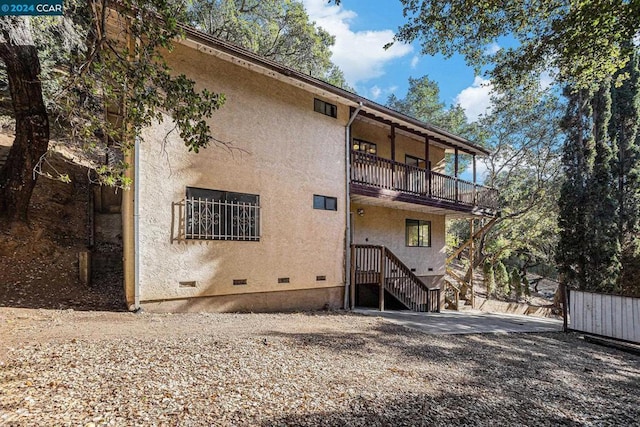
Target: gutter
[{"x": 347, "y": 205}]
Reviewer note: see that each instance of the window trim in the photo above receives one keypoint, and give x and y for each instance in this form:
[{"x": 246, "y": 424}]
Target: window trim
[
  {"x": 326, "y": 108},
  {"x": 325, "y": 205},
  {"x": 419, "y": 223}
]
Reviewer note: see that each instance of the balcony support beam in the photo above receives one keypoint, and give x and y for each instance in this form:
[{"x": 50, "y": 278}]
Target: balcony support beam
[{"x": 393, "y": 142}]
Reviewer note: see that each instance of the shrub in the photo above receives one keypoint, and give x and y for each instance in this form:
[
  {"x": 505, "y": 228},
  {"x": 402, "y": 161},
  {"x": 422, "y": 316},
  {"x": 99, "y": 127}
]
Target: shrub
[
  {"x": 502, "y": 278},
  {"x": 516, "y": 283},
  {"x": 489, "y": 278}
]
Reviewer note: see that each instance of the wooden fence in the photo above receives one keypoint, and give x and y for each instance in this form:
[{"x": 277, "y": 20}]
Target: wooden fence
[{"x": 607, "y": 315}]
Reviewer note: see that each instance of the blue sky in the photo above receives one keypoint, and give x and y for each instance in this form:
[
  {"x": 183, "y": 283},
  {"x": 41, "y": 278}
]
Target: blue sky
[{"x": 363, "y": 27}]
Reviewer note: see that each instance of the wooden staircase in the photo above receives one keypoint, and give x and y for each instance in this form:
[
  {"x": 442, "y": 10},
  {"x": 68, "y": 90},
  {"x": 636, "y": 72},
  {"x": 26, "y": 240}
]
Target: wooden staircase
[
  {"x": 377, "y": 265},
  {"x": 458, "y": 289}
]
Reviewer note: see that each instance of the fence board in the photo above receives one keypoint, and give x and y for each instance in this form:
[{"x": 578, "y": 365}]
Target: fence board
[{"x": 607, "y": 315}]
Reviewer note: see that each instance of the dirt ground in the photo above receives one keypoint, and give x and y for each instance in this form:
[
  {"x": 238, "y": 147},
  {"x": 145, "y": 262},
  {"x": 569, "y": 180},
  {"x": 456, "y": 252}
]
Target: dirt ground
[
  {"x": 39, "y": 263},
  {"x": 67, "y": 367}
]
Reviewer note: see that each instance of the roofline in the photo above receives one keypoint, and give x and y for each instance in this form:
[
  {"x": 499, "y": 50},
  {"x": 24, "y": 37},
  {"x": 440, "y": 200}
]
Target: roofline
[{"x": 247, "y": 55}]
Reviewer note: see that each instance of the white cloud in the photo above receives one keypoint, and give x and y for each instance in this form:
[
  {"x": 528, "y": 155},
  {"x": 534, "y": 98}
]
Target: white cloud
[
  {"x": 492, "y": 49},
  {"x": 414, "y": 61},
  {"x": 546, "y": 80},
  {"x": 359, "y": 54},
  {"x": 476, "y": 99},
  {"x": 375, "y": 92}
]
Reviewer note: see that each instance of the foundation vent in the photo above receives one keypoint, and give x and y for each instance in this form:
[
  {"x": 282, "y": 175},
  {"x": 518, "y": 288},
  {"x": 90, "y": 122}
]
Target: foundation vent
[
  {"x": 283, "y": 280},
  {"x": 237, "y": 282},
  {"x": 188, "y": 284},
  {"x": 321, "y": 278}
]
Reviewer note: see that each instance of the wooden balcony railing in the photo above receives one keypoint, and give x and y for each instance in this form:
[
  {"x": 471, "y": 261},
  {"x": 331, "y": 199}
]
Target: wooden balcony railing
[{"x": 373, "y": 171}]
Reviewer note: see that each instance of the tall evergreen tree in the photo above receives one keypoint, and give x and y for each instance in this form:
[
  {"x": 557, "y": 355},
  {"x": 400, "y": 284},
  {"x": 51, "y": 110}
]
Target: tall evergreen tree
[
  {"x": 577, "y": 160},
  {"x": 602, "y": 241},
  {"x": 623, "y": 131}
]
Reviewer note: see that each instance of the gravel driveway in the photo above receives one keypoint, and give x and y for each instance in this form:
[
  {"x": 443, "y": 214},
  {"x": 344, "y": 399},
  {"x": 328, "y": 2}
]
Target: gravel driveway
[{"x": 94, "y": 368}]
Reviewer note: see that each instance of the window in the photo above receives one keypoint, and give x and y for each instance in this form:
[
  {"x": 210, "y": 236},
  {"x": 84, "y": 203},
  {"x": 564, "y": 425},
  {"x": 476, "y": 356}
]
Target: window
[
  {"x": 364, "y": 146},
  {"x": 414, "y": 161},
  {"x": 325, "y": 203},
  {"x": 325, "y": 108},
  {"x": 221, "y": 215},
  {"x": 418, "y": 232}
]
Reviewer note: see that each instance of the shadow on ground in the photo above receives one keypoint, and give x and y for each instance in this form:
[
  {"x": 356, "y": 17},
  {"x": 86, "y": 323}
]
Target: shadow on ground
[{"x": 509, "y": 379}]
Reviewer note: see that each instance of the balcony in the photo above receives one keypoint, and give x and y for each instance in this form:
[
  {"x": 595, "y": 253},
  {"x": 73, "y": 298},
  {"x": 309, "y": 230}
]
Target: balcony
[{"x": 374, "y": 176}]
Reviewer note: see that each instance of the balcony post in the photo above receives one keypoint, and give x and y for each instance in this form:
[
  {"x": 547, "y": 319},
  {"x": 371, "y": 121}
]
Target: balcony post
[
  {"x": 455, "y": 174},
  {"x": 352, "y": 272},
  {"x": 427, "y": 163},
  {"x": 474, "y": 180},
  {"x": 383, "y": 250},
  {"x": 393, "y": 156}
]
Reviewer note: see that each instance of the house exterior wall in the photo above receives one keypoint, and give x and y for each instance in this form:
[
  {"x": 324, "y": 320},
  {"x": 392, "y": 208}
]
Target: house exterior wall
[
  {"x": 384, "y": 226},
  {"x": 283, "y": 151},
  {"x": 380, "y": 136}
]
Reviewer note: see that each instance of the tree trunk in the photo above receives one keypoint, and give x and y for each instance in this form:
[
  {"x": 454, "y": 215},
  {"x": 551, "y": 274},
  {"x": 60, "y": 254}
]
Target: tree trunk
[{"x": 20, "y": 56}]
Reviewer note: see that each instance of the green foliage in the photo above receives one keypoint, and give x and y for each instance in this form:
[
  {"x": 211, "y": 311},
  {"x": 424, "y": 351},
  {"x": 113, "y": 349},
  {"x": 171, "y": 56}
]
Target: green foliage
[
  {"x": 577, "y": 159},
  {"x": 117, "y": 81},
  {"x": 523, "y": 134},
  {"x": 582, "y": 40},
  {"x": 276, "y": 29},
  {"x": 515, "y": 283},
  {"x": 502, "y": 279},
  {"x": 489, "y": 278},
  {"x": 602, "y": 242},
  {"x": 525, "y": 287}
]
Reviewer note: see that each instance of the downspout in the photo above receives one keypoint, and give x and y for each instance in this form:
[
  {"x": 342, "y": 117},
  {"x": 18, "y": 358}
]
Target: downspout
[
  {"x": 130, "y": 240},
  {"x": 136, "y": 224},
  {"x": 347, "y": 204}
]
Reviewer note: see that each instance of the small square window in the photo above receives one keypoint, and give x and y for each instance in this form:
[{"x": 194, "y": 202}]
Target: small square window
[
  {"x": 418, "y": 233},
  {"x": 325, "y": 203}
]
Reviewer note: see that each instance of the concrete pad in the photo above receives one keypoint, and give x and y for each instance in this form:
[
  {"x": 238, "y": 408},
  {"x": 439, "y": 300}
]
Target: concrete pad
[{"x": 466, "y": 322}]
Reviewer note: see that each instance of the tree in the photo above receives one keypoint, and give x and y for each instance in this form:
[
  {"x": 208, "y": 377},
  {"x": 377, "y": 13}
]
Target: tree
[
  {"x": 623, "y": 131},
  {"x": 423, "y": 103},
  {"x": 502, "y": 278},
  {"x": 577, "y": 159},
  {"x": 275, "y": 29},
  {"x": 515, "y": 283},
  {"x": 522, "y": 132},
  {"x": 584, "y": 41},
  {"x": 489, "y": 278},
  {"x": 124, "y": 79},
  {"x": 602, "y": 242},
  {"x": 19, "y": 54}
]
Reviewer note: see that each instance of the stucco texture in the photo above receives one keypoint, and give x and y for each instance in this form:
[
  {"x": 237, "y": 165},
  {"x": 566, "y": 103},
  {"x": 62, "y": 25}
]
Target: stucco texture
[
  {"x": 283, "y": 151},
  {"x": 383, "y": 226}
]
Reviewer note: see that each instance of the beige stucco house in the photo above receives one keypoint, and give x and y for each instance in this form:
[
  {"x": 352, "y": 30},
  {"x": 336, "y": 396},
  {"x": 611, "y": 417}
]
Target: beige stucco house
[{"x": 323, "y": 196}]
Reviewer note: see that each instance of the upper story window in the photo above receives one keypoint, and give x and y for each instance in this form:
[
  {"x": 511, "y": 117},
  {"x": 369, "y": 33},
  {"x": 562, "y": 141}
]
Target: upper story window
[
  {"x": 365, "y": 146},
  {"x": 415, "y": 161},
  {"x": 325, "y": 108},
  {"x": 221, "y": 215}
]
